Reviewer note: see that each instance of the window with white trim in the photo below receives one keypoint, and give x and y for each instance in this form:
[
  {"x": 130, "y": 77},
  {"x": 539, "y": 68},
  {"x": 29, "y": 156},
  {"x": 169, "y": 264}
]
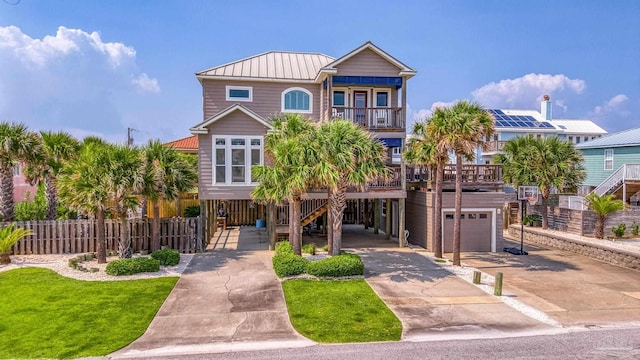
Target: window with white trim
[
  {"x": 233, "y": 158},
  {"x": 608, "y": 159},
  {"x": 382, "y": 98},
  {"x": 239, "y": 93},
  {"x": 297, "y": 100}
]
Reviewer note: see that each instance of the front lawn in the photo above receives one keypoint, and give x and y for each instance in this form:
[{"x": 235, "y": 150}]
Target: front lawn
[
  {"x": 339, "y": 311},
  {"x": 45, "y": 315}
]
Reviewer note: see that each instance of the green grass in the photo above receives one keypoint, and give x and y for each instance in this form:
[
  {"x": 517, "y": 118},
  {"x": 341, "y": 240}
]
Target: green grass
[
  {"x": 339, "y": 311},
  {"x": 45, "y": 315}
]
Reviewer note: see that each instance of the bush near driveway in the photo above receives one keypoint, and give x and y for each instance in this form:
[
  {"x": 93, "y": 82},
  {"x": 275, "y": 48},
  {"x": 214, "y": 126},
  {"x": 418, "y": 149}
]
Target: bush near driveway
[
  {"x": 132, "y": 266},
  {"x": 45, "y": 315},
  {"x": 166, "y": 257},
  {"x": 289, "y": 264},
  {"x": 337, "y": 266}
]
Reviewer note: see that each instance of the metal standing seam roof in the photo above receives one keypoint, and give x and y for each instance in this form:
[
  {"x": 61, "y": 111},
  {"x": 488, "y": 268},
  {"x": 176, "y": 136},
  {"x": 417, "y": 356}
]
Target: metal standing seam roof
[
  {"x": 629, "y": 137},
  {"x": 272, "y": 65},
  {"x": 578, "y": 126}
]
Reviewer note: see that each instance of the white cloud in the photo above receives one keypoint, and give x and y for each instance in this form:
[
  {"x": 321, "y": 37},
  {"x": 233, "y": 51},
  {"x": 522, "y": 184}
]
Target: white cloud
[
  {"x": 611, "y": 105},
  {"x": 526, "y": 92},
  {"x": 72, "y": 80},
  {"x": 145, "y": 84}
]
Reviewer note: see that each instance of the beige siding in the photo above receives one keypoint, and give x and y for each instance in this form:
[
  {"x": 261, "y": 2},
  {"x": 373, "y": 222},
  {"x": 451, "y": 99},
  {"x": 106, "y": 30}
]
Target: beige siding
[
  {"x": 367, "y": 63},
  {"x": 267, "y": 97},
  {"x": 236, "y": 123}
]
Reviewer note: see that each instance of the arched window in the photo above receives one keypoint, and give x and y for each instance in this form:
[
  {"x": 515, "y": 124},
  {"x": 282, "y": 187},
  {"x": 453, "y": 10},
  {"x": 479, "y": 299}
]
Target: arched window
[{"x": 297, "y": 100}]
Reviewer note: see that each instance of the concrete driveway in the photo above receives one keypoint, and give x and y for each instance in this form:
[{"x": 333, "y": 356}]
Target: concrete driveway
[
  {"x": 572, "y": 289},
  {"x": 431, "y": 301},
  {"x": 225, "y": 300}
]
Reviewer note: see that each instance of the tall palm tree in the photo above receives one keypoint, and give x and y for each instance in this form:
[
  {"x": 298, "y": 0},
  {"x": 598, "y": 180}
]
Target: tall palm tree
[
  {"x": 167, "y": 175},
  {"x": 548, "y": 163},
  {"x": 422, "y": 150},
  {"x": 464, "y": 127},
  {"x": 125, "y": 176},
  {"x": 350, "y": 156},
  {"x": 17, "y": 144},
  {"x": 289, "y": 147},
  {"x": 603, "y": 206},
  {"x": 57, "y": 149},
  {"x": 82, "y": 185}
]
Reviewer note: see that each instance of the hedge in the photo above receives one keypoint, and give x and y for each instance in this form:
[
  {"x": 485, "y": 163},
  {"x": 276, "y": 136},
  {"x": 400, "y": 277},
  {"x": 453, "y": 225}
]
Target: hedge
[
  {"x": 132, "y": 266},
  {"x": 166, "y": 257},
  {"x": 336, "y": 266},
  {"x": 286, "y": 264}
]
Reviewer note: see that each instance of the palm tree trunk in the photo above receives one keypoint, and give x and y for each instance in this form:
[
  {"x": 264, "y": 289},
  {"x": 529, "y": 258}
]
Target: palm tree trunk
[
  {"x": 599, "y": 227},
  {"x": 143, "y": 207},
  {"x": 294, "y": 228},
  {"x": 101, "y": 248},
  {"x": 437, "y": 226},
  {"x": 124, "y": 245},
  {"x": 329, "y": 222},
  {"x": 337, "y": 204},
  {"x": 545, "y": 223},
  {"x": 155, "y": 227},
  {"x": 5, "y": 259},
  {"x": 6, "y": 193},
  {"x": 458, "y": 211},
  {"x": 52, "y": 196}
]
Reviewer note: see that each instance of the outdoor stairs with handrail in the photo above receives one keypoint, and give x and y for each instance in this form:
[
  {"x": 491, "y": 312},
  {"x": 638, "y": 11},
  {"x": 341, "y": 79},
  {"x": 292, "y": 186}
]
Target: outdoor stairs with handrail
[{"x": 626, "y": 172}]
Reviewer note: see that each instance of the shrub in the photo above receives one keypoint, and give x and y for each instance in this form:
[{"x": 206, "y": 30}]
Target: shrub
[
  {"x": 309, "y": 249},
  {"x": 289, "y": 264},
  {"x": 283, "y": 247},
  {"x": 335, "y": 266},
  {"x": 132, "y": 266},
  {"x": 619, "y": 230},
  {"x": 192, "y": 211},
  {"x": 325, "y": 248},
  {"x": 166, "y": 257},
  {"x": 635, "y": 229}
]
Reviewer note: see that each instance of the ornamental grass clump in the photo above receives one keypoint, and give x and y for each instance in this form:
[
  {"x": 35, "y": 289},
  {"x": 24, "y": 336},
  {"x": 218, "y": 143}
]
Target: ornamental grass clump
[{"x": 8, "y": 237}]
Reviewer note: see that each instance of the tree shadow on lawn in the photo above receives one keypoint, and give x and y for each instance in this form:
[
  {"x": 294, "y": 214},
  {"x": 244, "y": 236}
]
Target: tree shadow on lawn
[
  {"x": 401, "y": 266},
  {"x": 539, "y": 259}
]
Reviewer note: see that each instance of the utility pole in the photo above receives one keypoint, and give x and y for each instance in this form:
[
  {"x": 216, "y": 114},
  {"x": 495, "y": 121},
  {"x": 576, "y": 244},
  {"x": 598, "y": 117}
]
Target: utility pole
[{"x": 129, "y": 137}]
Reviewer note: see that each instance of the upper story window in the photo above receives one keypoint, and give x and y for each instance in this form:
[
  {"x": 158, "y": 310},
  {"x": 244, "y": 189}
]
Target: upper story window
[
  {"x": 338, "y": 98},
  {"x": 233, "y": 158},
  {"x": 297, "y": 100},
  {"x": 608, "y": 159},
  {"x": 239, "y": 93},
  {"x": 382, "y": 99}
]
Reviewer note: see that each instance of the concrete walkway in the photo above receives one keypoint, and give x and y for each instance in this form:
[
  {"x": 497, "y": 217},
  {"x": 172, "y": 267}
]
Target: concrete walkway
[
  {"x": 572, "y": 289},
  {"x": 225, "y": 300},
  {"x": 431, "y": 301}
]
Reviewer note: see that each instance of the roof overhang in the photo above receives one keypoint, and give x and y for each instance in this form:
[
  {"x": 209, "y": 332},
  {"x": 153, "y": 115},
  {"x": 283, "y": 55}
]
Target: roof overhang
[
  {"x": 201, "y": 129},
  {"x": 241, "y": 78}
]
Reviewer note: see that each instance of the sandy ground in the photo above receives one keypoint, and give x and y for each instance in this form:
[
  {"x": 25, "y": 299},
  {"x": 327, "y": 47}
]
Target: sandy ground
[{"x": 59, "y": 264}]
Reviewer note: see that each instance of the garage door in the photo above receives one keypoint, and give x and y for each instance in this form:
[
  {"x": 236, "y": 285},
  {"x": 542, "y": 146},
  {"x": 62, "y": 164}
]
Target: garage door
[{"x": 475, "y": 231}]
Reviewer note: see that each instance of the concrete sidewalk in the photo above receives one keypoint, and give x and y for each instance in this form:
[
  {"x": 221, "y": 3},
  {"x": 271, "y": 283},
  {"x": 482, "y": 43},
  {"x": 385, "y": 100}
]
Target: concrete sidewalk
[
  {"x": 225, "y": 300},
  {"x": 431, "y": 301}
]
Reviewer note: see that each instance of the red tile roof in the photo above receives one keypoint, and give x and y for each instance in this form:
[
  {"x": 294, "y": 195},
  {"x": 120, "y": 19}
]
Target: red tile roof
[{"x": 188, "y": 143}]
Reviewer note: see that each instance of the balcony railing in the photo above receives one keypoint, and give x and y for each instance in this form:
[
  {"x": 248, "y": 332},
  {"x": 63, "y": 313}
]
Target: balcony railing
[
  {"x": 394, "y": 182},
  {"x": 490, "y": 174},
  {"x": 372, "y": 118},
  {"x": 494, "y": 145}
]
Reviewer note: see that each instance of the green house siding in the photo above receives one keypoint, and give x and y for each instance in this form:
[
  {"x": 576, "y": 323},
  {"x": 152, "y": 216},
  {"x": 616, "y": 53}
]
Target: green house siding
[{"x": 594, "y": 162}]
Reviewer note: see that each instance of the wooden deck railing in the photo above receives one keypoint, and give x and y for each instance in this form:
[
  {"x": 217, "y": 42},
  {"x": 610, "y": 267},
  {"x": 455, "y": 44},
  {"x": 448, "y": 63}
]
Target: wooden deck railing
[
  {"x": 79, "y": 236},
  {"x": 470, "y": 174},
  {"x": 372, "y": 118}
]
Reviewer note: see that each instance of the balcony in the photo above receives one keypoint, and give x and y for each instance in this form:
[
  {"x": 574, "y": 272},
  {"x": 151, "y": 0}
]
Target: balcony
[
  {"x": 494, "y": 146},
  {"x": 472, "y": 175},
  {"x": 372, "y": 118},
  {"x": 394, "y": 182}
]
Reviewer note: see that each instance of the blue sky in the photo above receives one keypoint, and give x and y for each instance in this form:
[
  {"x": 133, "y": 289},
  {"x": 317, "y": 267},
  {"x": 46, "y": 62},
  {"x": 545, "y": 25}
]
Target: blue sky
[{"x": 98, "y": 67}]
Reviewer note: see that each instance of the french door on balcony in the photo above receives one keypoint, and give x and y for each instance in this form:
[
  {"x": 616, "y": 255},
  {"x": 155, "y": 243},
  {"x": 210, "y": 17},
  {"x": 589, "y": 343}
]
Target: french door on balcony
[{"x": 360, "y": 105}]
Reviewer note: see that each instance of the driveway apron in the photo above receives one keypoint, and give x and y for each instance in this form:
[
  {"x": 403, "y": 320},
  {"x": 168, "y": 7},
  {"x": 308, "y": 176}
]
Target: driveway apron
[
  {"x": 222, "y": 297},
  {"x": 429, "y": 300}
]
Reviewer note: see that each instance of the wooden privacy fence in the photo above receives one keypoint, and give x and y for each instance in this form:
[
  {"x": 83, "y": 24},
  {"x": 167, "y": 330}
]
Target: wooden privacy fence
[{"x": 80, "y": 236}]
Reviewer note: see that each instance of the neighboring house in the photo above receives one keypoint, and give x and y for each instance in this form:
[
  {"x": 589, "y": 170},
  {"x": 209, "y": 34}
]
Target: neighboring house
[
  {"x": 188, "y": 145},
  {"x": 613, "y": 165},
  {"x": 22, "y": 190},
  {"x": 366, "y": 85},
  {"x": 514, "y": 123}
]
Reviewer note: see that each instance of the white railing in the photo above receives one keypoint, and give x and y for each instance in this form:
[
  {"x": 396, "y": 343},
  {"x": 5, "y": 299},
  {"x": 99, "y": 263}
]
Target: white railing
[
  {"x": 617, "y": 178},
  {"x": 577, "y": 203}
]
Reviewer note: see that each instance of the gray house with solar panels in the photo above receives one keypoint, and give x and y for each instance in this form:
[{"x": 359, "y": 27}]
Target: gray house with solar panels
[{"x": 514, "y": 123}]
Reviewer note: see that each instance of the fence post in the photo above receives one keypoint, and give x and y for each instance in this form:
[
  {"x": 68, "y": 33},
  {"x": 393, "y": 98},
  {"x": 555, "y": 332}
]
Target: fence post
[{"x": 497, "y": 290}]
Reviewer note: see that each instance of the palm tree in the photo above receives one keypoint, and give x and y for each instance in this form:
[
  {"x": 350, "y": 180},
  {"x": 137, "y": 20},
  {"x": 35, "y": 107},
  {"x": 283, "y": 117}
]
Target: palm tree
[
  {"x": 17, "y": 143},
  {"x": 549, "y": 163},
  {"x": 82, "y": 185},
  {"x": 350, "y": 156},
  {"x": 422, "y": 150},
  {"x": 290, "y": 148},
  {"x": 125, "y": 174},
  {"x": 167, "y": 175},
  {"x": 462, "y": 129},
  {"x": 57, "y": 149},
  {"x": 603, "y": 206},
  {"x": 8, "y": 237}
]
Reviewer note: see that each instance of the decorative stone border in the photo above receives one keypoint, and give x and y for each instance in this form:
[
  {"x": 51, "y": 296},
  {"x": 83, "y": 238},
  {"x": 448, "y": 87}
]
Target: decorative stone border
[{"x": 601, "y": 252}]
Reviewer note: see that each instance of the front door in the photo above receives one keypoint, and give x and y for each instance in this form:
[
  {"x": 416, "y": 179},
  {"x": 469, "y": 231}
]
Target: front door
[{"x": 360, "y": 105}]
